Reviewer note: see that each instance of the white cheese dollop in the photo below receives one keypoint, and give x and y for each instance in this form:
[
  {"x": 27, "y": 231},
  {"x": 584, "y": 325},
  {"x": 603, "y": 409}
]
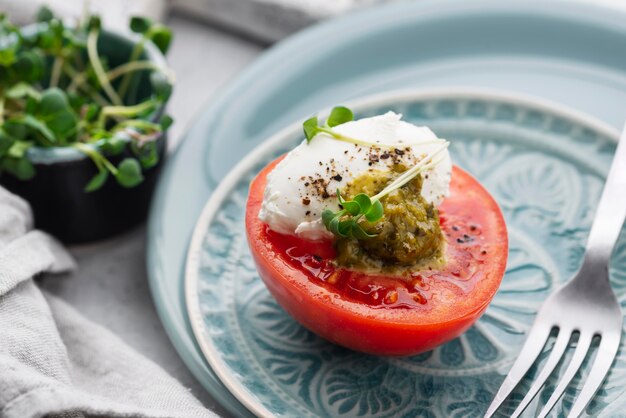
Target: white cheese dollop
[{"x": 304, "y": 183}]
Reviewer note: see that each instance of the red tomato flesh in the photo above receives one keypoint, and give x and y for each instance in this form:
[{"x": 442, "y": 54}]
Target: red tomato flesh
[{"x": 382, "y": 314}]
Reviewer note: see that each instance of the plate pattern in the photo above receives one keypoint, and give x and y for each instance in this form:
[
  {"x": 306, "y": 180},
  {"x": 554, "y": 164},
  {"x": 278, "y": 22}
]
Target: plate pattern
[{"x": 545, "y": 170}]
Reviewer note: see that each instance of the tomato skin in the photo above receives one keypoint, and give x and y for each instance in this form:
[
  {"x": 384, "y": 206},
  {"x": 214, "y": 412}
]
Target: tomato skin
[{"x": 381, "y": 330}]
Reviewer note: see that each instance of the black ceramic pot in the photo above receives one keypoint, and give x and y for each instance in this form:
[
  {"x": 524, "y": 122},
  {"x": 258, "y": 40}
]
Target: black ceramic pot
[
  {"x": 56, "y": 193},
  {"x": 62, "y": 207}
]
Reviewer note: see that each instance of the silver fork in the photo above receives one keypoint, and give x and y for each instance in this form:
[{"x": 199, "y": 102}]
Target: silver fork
[{"x": 586, "y": 304}]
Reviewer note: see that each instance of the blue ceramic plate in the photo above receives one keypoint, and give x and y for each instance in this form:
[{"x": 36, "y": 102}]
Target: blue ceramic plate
[
  {"x": 544, "y": 165},
  {"x": 566, "y": 51}
]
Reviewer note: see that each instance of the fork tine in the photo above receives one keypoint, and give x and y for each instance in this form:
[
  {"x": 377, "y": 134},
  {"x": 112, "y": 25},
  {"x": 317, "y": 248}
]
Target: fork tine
[
  {"x": 601, "y": 365},
  {"x": 558, "y": 349},
  {"x": 532, "y": 347},
  {"x": 582, "y": 347}
]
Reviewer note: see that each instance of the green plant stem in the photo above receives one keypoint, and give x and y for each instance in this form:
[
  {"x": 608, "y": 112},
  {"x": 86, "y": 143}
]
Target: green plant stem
[
  {"x": 57, "y": 66},
  {"x": 98, "y": 159},
  {"x": 125, "y": 111},
  {"x": 92, "y": 52},
  {"x": 116, "y": 72},
  {"x": 408, "y": 175},
  {"x": 344, "y": 138},
  {"x": 134, "y": 56},
  {"x": 144, "y": 125},
  {"x": 130, "y": 67},
  {"x": 93, "y": 94}
]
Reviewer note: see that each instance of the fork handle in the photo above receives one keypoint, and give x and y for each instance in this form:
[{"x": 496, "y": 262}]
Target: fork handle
[{"x": 611, "y": 211}]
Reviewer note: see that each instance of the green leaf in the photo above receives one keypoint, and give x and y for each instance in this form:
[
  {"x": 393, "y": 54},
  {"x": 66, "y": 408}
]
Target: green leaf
[
  {"x": 129, "y": 173},
  {"x": 76, "y": 39},
  {"x": 345, "y": 227},
  {"x": 97, "y": 181},
  {"x": 9, "y": 45},
  {"x": 6, "y": 142},
  {"x": 52, "y": 38},
  {"x": 115, "y": 144},
  {"x": 15, "y": 129},
  {"x": 94, "y": 23},
  {"x": 364, "y": 202},
  {"x": 161, "y": 86},
  {"x": 55, "y": 111},
  {"x": 339, "y": 115},
  {"x": 165, "y": 122},
  {"x": 339, "y": 197},
  {"x": 161, "y": 37},
  {"x": 310, "y": 127},
  {"x": 359, "y": 233},
  {"x": 334, "y": 227},
  {"x": 352, "y": 207},
  {"x": 327, "y": 216},
  {"x": 36, "y": 126},
  {"x": 375, "y": 212},
  {"x": 148, "y": 155},
  {"x": 21, "y": 168},
  {"x": 91, "y": 112},
  {"x": 44, "y": 14},
  {"x": 30, "y": 66},
  {"x": 139, "y": 24},
  {"x": 21, "y": 90},
  {"x": 18, "y": 149}
]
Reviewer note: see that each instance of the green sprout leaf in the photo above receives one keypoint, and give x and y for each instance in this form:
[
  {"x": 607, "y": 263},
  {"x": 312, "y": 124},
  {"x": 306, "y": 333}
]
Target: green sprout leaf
[
  {"x": 129, "y": 173},
  {"x": 344, "y": 228},
  {"x": 30, "y": 65},
  {"x": 140, "y": 24},
  {"x": 94, "y": 23},
  {"x": 161, "y": 86},
  {"x": 97, "y": 181},
  {"x": 44, "y": 14},
  {"x": 20, "y": 168},
  {"x": 327, "y": 216},
  {"x": 22, "y": 90},
  {"x": 359, "y": 233},
  {"x": 55, "y": 111},
  {"x": 310, "y": 128},
  {"x": 19, "y": 148},
  {"x": 161, "y": 37},
  {"x": 345, "y": 222},
  {"x": 375, "y": 212},
  {"x": 147, "y": 154},
  {"x": 115, "y": 144},
  {"x": 364, "y": 202},
  {"x": 339, "y": 115},
  {"x": 9, "y": 45},
  {"x": 353, "y": 208},
  {"x": 165, "y": 122},
  {"x": 34, "y": 126},
  {"x": 6, "y": 142}
]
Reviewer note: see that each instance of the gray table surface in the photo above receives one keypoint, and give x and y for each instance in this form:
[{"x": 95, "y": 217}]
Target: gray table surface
[{"x": 111, "y": 285}]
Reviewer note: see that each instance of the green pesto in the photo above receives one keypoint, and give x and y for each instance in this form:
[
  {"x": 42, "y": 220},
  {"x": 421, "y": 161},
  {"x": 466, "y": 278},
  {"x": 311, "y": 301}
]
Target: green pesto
[{"x": 408, "y": 235}]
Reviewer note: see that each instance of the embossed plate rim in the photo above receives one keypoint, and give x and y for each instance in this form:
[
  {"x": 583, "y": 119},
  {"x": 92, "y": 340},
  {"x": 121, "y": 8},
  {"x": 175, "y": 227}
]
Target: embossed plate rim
[{"x": 266, "y": 148}]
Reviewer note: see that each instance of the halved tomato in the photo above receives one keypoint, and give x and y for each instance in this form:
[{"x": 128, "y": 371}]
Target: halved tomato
[{"x": 381, "y": 314}]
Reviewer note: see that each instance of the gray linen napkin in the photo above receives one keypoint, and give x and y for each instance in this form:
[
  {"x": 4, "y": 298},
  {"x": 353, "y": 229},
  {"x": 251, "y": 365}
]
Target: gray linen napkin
[{"x": 53, "y": 361}]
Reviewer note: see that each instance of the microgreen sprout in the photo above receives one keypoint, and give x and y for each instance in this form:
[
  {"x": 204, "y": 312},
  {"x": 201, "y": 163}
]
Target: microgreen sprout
[
  {"x": 345, "y": 222},
  {"x": 58, "y": 90},
  {"x": 338, "y": 116}
]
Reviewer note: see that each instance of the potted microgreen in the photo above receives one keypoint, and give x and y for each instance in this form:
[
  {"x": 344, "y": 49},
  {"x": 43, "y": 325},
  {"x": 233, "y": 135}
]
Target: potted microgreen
[{"x": 82, "y": 128}]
